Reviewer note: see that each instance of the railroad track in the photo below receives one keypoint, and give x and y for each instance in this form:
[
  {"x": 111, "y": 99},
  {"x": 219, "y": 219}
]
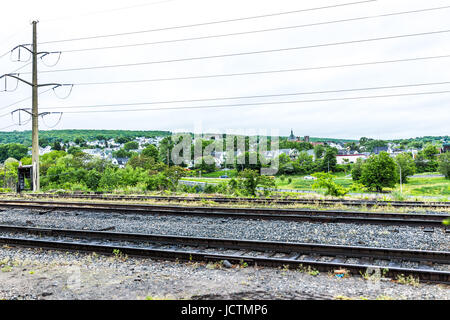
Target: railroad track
[
  {"x": 418, "y": 220},
  {"x": 368, "y": 203},
  {"x": 428, "y": 266}
]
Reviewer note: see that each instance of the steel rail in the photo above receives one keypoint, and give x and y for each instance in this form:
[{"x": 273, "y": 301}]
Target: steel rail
[
  {"x": 294, "y": 251},
  {"x": 256, "y": 245},
  {"x": 421, "y": 204},
  {"x": 422, "y": 220}
]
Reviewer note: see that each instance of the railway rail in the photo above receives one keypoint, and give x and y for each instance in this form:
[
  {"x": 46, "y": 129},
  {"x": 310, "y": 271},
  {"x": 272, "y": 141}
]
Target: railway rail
[
  {"x": 428, "y": 266},
  {"x": 416, "y": 219},
  {"x": 400, "y": 204},
  {"x": 368, "y": 203}
]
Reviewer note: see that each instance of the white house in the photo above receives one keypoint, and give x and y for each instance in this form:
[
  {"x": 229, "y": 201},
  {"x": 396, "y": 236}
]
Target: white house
[
  {"x": 349, "y": 158},
  {"x": 45, "y": 150}
]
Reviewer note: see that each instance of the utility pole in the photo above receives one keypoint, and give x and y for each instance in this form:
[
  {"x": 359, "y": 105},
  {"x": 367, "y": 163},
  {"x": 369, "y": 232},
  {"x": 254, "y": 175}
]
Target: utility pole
[
  {"x": 401, "y": 188},
  {"x": 34, "y": 110},
  {"x": 35, "y": 116}
]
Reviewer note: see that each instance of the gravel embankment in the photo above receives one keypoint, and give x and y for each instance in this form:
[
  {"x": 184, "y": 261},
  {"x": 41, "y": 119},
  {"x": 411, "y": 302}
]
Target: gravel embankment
[
  {"x": 35, "y": 274},
  {"x": 330, "y": 233}
]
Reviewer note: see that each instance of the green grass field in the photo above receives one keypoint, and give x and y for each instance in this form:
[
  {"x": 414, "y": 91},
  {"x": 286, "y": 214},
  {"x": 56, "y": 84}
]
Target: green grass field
[
  {"x": 419, "y": 186},
  {"x": 299, "y": 183},
  {"x": 426, "y": 186},
  {"x": 217, "y": 174},
  {"x": 435, "y": 186}
]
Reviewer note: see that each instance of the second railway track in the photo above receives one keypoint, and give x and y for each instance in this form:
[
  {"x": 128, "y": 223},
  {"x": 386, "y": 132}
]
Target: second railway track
[
  {"x": 279, "y": 201},
  {"x": 429, "y": 266},
  {"x": 421, "y": 220}
]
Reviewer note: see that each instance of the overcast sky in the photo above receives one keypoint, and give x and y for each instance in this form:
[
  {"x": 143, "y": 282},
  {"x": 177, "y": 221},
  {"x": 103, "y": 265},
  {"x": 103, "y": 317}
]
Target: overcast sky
[{"x": 382, "y": 118}]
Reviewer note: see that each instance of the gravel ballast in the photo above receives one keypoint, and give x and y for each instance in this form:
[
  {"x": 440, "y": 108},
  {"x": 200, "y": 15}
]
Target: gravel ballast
[
  {"x": 36, "y": 274},
  {"x": 327, "y": 233}
]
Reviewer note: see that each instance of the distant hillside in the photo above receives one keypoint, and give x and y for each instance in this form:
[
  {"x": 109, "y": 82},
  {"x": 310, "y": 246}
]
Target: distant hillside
[
  {"x": 312, "y": 139},
  {"x": 24, "y": 137}
]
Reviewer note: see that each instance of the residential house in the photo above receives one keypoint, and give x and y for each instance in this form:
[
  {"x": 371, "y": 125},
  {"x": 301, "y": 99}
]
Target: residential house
[
  {"x": 121, "y": 162},
  {"x": 349, "y": 158},
  {"x": 377, "y": 150}
]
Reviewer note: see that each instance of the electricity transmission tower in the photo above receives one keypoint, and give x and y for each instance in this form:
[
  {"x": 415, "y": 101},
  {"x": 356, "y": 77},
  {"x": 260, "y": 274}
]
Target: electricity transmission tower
[{"x": 34, "y": 110}]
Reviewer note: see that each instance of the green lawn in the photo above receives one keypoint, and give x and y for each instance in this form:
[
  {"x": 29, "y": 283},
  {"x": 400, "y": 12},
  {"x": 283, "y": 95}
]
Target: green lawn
[
  {"x": 217, "y": 174},
  {"x": 299, "y": 183},
  {"x": 435, "y": 186},
  {"x": 426, "y": 186},
  {"x": 205, "y": 179}
]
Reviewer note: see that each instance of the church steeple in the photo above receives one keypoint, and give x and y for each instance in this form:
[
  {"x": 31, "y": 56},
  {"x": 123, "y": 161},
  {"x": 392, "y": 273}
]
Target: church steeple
[{"x": 291, "y": 137}]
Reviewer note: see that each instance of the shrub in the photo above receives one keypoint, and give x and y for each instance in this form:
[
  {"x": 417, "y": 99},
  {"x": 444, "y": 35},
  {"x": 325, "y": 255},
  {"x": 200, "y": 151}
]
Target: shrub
[{"x": 325, "y": 180}]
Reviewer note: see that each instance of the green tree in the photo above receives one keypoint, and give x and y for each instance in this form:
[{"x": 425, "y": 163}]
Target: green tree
[
  {"x": 205, "y": 164},
  {"x": 357, "y": 169},
  {"x": 325, "y": 180},
  {"x": 56, "y": 146},
  {"x": 151, "y": 151},
  {"x": 165, "y": 150},
  {"x": 430, "y": 151},
  {"x": 319, "y": 151},
  {"x": 92, "y": 179},
  {"x": 379, "y": 171},
  {"x": 406, "y": 164},
  {"x": 74, "y": 150},
  {"x": 444, "y": 164},
  {"x": 329, "y": 161},
  {"x": 122, "y": 153},
  {"x": 285, "y": 165},
  {"x": 304, "y": 163},
  {"x": 248, "y": 180},
  {"x": 12, "y": 150},
  {"x": 424, "y": 164},
  {"x": 249, "y": 160},
  {"x": 141, "y": 161},
  {"x": 122, "y": 139},
  {"x": 131, "y": 145},
  {"x": 80, "y": 141},
  {"x": 43, "y": 142}
]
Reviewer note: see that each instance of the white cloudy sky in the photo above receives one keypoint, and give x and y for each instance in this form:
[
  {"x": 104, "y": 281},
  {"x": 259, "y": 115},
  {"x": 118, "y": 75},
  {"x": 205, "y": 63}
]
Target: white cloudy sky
[{"x": 388, "y": 117}]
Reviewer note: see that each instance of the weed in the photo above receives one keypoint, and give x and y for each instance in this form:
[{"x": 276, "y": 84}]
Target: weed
[
  {"x": 339, "y": 297},
  {"x": 383, "y": 297},
  {"x": 243, "y": 264},
  {"x": 119, "y": 255},
  {"x": 155, "y": 298},
  {"x": 6, "y": 269},
  {"x": 311, "y": 271},
  {"x": 408, "y": 280},
  {"x": 214, "y": 265}
]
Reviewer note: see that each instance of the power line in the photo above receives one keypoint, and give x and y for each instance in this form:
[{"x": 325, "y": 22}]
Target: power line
[
  {"x": 240, "y": 33},
  {"x": 239, "y": 74},
  {"x": 208, "y": 23},
  {"x": 15, "y": 124},
  {"x": 12, "y": 125},
  {"x": 22, "y": 100},
  {"x": 112, "y": 10},
  {"x": 264, "y": 103},
  {"x": 255, "y": 96}
]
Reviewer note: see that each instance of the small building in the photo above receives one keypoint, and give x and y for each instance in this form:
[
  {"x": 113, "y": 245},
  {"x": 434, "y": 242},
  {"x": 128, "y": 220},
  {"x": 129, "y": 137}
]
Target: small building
[
  {"x": 121, "y": 162},
  {"x": 377, "y": 150},
  {"x": 349, "y": 158}
]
